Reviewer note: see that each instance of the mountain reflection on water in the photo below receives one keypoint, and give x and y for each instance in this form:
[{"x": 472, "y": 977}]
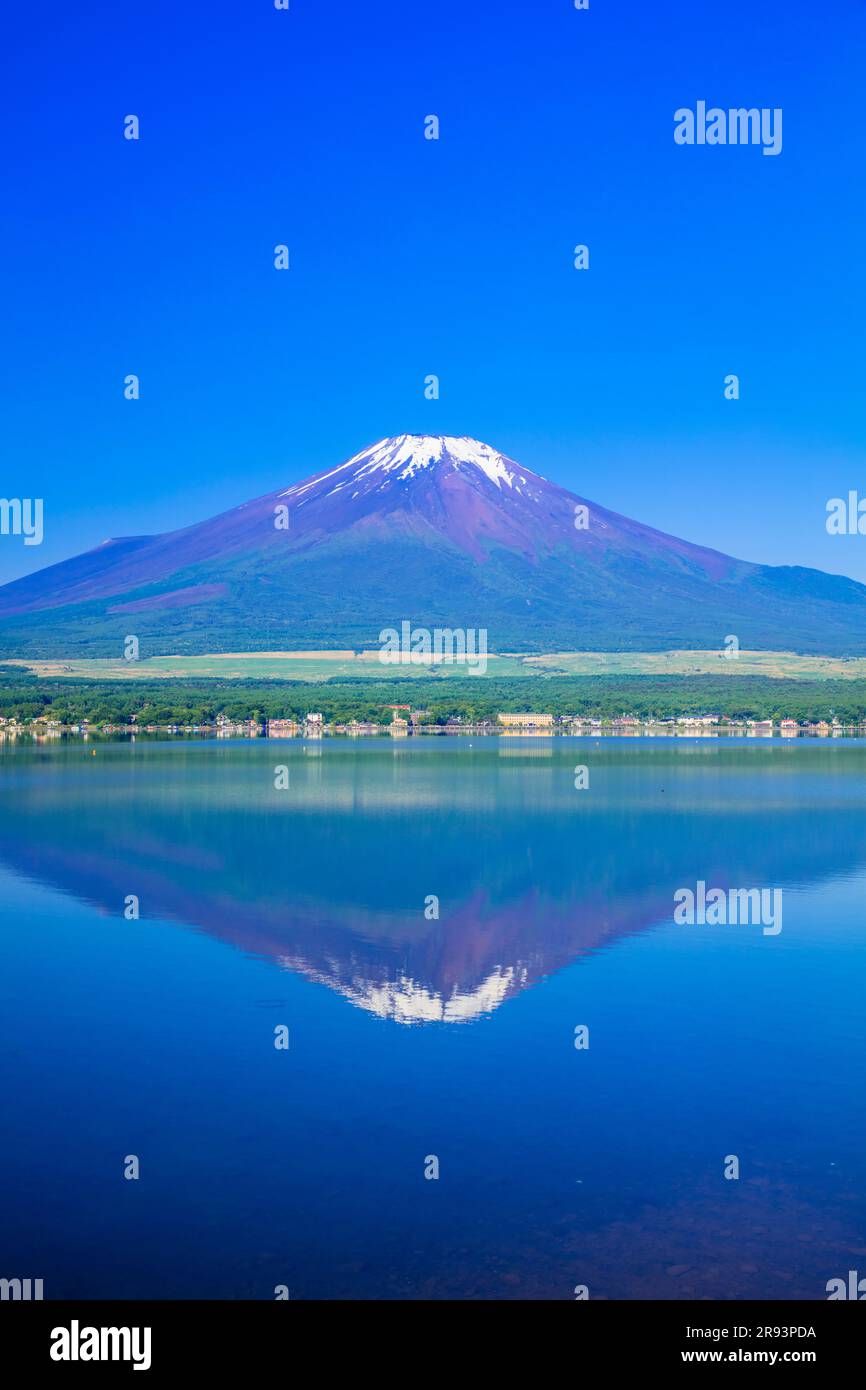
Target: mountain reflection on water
[
  {"x": 266, "y": 910},
  {"x": 334, "y": 876}
]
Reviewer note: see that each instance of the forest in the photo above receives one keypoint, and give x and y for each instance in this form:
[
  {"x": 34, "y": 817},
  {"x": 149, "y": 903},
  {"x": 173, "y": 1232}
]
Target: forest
[{"x": 199, "y": 701}]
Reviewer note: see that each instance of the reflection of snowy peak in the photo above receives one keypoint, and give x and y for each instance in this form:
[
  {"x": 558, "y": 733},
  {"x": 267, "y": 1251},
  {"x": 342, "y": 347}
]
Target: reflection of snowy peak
[
  {"x": 317, "y": 883},
  {"x": 404, "y": 1000}
]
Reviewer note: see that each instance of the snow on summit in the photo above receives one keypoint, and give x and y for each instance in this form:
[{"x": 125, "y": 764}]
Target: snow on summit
[{"x": 405, "y": 455}]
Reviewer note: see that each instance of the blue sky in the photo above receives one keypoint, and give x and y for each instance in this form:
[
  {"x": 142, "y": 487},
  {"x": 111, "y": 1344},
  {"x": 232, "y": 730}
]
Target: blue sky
[{"x": 452, "y": 257}]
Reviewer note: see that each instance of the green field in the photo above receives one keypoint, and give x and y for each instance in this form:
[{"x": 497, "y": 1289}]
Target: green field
[{"x": 315, "y": 667}]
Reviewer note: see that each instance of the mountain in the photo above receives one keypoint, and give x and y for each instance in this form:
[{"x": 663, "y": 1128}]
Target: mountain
[{"x": 440, "y": 531}]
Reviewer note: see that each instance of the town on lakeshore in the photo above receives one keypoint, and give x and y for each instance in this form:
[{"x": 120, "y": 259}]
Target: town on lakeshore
[{"x": 405, "y": 721}]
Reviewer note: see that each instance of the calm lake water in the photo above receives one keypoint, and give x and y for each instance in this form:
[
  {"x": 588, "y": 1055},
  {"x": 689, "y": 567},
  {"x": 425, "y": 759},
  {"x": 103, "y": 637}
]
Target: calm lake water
[{"x": 412, "y": 1036}]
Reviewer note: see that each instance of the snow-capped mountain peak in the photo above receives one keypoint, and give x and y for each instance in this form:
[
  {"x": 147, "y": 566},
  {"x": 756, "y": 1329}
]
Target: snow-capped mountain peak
[
  {"x": 405, "y": 455},
  {"x": 445, "y": 531}
]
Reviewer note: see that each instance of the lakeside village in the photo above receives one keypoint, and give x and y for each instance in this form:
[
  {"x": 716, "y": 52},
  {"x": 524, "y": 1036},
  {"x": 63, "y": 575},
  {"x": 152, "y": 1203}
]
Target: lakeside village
[{"x": 405, "y": 721}]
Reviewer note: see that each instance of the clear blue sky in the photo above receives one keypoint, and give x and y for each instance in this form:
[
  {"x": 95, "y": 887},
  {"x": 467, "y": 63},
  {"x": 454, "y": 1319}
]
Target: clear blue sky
[{"x": 454, "y": 257}]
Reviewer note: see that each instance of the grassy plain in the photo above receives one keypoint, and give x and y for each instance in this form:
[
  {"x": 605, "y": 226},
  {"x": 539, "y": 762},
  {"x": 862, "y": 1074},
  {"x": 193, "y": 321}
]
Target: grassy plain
[{"x": 314, "y": 667}]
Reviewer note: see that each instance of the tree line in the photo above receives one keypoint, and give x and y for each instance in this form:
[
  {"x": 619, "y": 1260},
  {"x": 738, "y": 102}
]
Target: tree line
[{"x": 471, "y": 699}]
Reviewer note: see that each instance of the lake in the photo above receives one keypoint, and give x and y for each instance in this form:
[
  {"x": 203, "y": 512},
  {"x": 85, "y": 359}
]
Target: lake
[{"x": 423, "y": 1034}]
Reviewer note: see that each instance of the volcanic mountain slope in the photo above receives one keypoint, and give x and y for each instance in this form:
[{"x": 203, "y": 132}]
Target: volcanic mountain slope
[{"x": 441, "y": 531}]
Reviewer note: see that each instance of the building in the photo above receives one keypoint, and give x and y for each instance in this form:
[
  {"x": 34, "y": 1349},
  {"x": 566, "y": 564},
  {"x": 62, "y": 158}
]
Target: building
[
  {"x": 398, "y": 725},
  {"x": 526, "y": 721}
]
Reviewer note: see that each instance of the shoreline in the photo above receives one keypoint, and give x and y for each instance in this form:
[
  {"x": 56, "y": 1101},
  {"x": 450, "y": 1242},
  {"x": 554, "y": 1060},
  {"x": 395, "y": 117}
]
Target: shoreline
[{"x": 208, "y": 733}]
